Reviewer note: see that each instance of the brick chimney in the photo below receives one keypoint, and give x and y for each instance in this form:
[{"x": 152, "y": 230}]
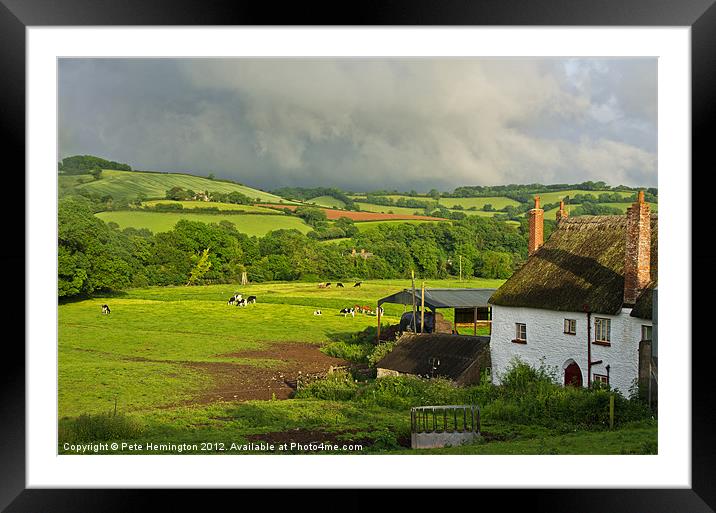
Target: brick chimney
[
  {"x": 561, "y": 213},
  {"x": 637, "y": 264},
  {"x": 536, "y": 228}
]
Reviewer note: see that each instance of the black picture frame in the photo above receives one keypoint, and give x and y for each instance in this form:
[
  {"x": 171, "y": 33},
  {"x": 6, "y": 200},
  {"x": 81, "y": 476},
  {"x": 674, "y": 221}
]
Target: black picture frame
[{"x": 700, "y": 15}]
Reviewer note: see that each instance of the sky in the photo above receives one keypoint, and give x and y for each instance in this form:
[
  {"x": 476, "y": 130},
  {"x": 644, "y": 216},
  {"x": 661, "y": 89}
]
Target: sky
[{"x": 368, "y": 124}]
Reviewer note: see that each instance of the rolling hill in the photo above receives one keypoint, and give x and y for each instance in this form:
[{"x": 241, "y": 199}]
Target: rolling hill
[{"x": 130, "y": 185}]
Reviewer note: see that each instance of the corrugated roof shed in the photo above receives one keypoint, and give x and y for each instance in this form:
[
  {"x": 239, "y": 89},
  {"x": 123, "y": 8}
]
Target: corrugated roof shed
[
  {"x": 442, "y": 298},
  {"x": 581, "y": 264},
  {"x": 460, "y": 357}
]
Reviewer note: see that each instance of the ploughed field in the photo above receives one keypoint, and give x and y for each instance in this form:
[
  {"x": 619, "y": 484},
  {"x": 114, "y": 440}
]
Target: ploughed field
[{"x": 183, "y": 367}]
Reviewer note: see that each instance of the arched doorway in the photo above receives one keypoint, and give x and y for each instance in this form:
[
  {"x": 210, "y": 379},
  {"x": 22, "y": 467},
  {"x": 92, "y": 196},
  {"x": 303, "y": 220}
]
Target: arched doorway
[{"x": 573, "y": 375}]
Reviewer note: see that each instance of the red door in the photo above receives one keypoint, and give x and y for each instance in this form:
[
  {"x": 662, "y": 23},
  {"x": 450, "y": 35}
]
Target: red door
[{"x": 573, "y": 375}]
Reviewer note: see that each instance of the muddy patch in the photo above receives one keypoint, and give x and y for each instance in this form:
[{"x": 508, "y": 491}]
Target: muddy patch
[{"x": 236, "y": 382}]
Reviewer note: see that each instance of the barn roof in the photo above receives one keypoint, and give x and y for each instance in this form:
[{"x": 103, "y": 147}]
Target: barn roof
[
  {"x": 413, "y": 354},
  {"x": 442, "y": 298},
  {"x": 581, "y": 264}
]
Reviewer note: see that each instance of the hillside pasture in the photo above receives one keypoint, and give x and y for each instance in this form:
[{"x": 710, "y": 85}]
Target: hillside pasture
[
  {"x": 333, "y": 215},
  {"x": 191, "y": 205},
  {"x": 497, "y": 202},
  {"x": 367, "y": 225},
  {"x": 327, "y": 201},
  {"x": 131, "y": 184},
  {"x": 250, "y": 224},
  {"x": 555, "y": 196}
]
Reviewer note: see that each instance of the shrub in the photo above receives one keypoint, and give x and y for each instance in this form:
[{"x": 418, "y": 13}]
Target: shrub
[
  {"x": 338, "y": 386},
  {"x": 99, "y": 427}
]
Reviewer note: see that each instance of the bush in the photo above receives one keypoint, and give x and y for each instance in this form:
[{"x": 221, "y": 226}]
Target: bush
[
  {"x": 99, "y": 427},
  {"x": 338, "y": 386}
]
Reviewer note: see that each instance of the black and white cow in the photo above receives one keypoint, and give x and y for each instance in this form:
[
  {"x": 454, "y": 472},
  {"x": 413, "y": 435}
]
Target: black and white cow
[
  {"x": 317, "y": 312},
  {"x": 358, "y": 283},
  {"x": 234, "y": 299},
  {"x": 348, "y": 311},
  {"x": 241, "y": 302},
  {"x": 339, "y": 285},
  {"x": 250, "y": 299},
  {"x": 105, "y": 309}
]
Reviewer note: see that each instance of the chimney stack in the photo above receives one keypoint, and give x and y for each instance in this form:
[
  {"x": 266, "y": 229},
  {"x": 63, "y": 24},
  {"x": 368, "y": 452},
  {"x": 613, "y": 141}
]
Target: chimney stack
[
  {"x": 536, "y": 216},
  {"x": 561, "y": 213},
  {"x": 637, "y": 264}
]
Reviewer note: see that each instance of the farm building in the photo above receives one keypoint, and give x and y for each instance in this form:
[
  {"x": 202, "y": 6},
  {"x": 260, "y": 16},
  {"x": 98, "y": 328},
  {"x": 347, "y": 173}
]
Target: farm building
[
  {"x": 471, "y": 305},
  {"x": 583, "y": 301},
  {"x": 460, "y": 358}
]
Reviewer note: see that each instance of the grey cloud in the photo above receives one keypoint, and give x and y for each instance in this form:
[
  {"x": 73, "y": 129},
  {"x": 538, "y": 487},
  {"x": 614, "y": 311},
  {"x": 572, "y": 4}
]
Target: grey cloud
[{"x": 365, "y": 124}]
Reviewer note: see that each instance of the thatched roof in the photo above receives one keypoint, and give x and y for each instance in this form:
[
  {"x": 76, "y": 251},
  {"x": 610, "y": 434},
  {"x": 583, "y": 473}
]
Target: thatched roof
[
  {"x": 643, "y": 308},
  {"x": 415, "y": 354},
  {"x": 580, "y": 266}
]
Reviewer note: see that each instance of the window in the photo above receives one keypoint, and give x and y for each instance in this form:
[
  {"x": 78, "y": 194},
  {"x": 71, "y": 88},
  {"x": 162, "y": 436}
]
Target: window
[
  {"x": 645, "y": 332},
  {"x": 520, "y": 332},
  {"x": 601, "y": 378},
  {"x": 570, "y": 326},
  {"x": 602, "y": 329}
]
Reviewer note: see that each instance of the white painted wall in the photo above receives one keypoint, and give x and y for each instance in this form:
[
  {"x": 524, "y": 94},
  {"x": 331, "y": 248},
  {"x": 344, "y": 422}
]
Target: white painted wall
[{"x": 546, "y": 340}]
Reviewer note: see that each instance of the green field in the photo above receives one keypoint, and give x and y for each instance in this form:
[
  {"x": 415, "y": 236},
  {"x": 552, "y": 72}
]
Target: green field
[
  {"x": 497, "y": 202},
  {"x": 327, "y": 201},
  {"x": 189, "y": 205},
  {"x": 130, "y": 184},
  {"x": 366, "y": 225},
  {"x": 159, "y": 354},
  {"x": 554, "y": 197},
  {"x": 250, "y": 224},
  {"x": 384, "y": 209},
  {"x": 151, "y": 335}
]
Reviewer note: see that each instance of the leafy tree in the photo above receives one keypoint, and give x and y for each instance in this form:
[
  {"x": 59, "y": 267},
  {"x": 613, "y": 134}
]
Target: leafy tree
[{"x": 201, "y": 268}]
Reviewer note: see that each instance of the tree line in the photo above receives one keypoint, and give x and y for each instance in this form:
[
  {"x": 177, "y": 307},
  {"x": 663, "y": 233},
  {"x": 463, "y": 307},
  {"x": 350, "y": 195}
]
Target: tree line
[
  {"x": 84, "y": 164},
  {"x": 95, "y": 256}
]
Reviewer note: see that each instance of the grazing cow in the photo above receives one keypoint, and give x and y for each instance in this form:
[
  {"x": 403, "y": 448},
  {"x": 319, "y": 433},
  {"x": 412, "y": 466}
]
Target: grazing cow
[
  {"x": 234, "y": 299},
  {"x": 357, "y": 308},
  {"x": 250, "y": 299},
  {"x": 105, "y": 309},
  {"x": 321, "y": 285},
  {"x": 317, "y": 312},
  {"x": 241, "y": 302},
  {"x": 328, "y": 285},
  {"x": 366, "y": 309},
  {"x": 348, "y": 311},
  {"x": 358, "y": 283},
  {"x": 380, "y": 310},
  {"x": 339, "y": 285}
]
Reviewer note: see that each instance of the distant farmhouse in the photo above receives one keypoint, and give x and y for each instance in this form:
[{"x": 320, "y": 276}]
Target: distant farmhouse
[{"x": 582, "y": 302}]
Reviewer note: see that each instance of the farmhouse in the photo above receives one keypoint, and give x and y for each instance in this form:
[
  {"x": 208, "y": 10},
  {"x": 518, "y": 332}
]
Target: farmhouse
[{"x": 582, "y": 303}]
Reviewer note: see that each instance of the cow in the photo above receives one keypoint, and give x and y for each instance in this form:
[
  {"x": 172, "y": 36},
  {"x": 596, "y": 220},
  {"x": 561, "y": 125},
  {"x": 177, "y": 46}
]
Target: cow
[
  {"x": 366, "y": 309},
  {"x": 317, "y": 312},
  {"x": 251, "y": 299},
  {"x": 380, "y": 310},
  {"x": 105, "y": 309},
  {"x": 234, "y": 299},
  {"x": 358, "y": 308},
  {"x": 321, "y": 285},
  {"x": 241, "y": 302},
  {"x": 328, "y": 285},
  {"x": 358, "y": 284},
  {"x": 348, "y": 311},
  {"x": 339, "y": 285}
]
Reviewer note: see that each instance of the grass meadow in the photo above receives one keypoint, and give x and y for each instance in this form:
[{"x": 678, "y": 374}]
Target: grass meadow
[
  {"x": 250, "y": 224},
  {"x": 132, "y": 184},
  {"x": 175, "y": 361}
]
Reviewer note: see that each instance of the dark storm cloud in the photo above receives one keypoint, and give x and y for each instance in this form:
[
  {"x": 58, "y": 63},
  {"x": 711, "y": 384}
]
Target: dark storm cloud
[{"x": 365, "y": 124}]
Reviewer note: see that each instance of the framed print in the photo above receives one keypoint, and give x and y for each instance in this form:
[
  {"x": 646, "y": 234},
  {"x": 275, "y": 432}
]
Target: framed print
[{"x": 328, "y": 256}]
